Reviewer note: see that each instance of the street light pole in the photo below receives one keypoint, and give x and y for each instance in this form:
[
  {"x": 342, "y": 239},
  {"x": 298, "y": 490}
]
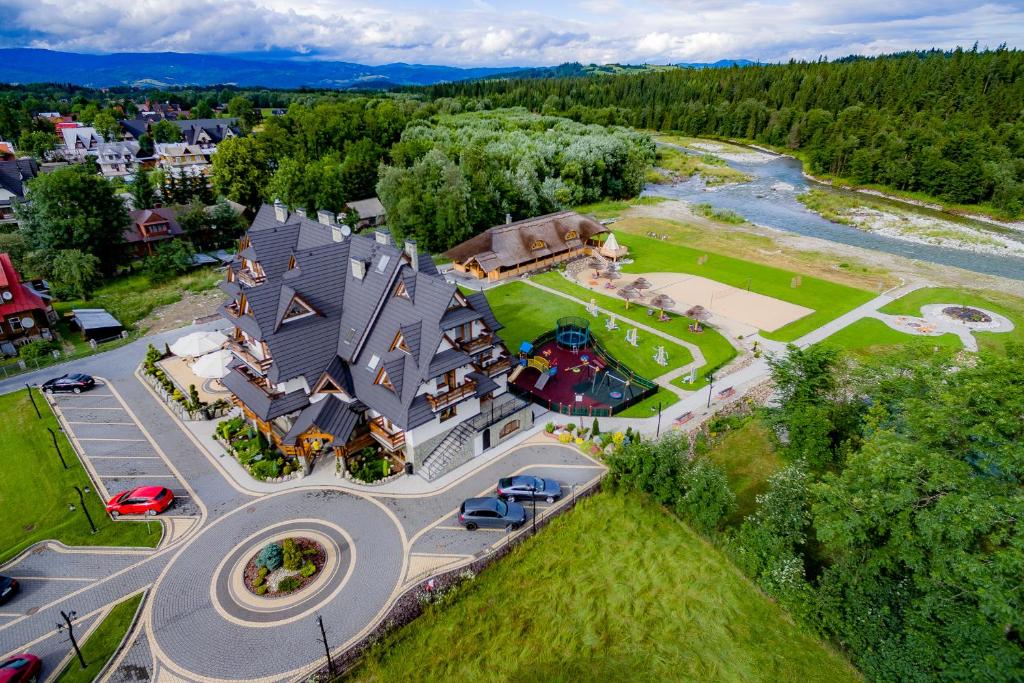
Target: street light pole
[
  {"x": 56, "y": 447},
  {"x": 68, "y": 624},
  {"x": 81, "y": 499},
  {"x": 327, "y": 648},
  {"x": 33, "y": 399},
  {"x": 711, "y": 385},
  {"x": 533, "y": 496},
  {"x": 657, "y": 432}
]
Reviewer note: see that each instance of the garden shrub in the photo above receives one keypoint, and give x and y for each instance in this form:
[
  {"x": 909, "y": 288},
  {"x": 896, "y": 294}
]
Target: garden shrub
[
  {"x": 265, "y": 469},
  {"x": 288, "y": 584},
  {"x": 565, "y": 437},
  {"x": 270, "y": 558},
  {"x": 308, "y": 569},
  {"x": 262, "y": 572},
  {"x": 258, "y": 581},
  {"x": 292, "y": 555},
  {"x": 310, "y": 551},
  {"x": 261, "y": 590},
  {"x": 37, "y": 349},
  {"x": 549, "y": 427},
  {"x": 596, "y": 428},
  {"x": 288, "y": 469},
  {"x": 570, "y": 427}
]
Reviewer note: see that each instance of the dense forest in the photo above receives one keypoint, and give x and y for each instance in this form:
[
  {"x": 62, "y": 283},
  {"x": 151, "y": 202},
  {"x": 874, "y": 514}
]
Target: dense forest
[
  {"x": 893, "y": 527},
  {"x": 949, "y": 125}
]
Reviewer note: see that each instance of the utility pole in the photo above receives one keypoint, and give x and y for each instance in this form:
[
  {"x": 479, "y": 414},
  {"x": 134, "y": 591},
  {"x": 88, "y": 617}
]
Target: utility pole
[
  {"x": 56, "y": 447},
  {"x": 533, "y": 496},
  {"x": 711, "y": 385},
  {"x": 81, "y": 499},
  {"x": 69, "y": 618},
  {"x": 33, "y": 399},
  {"x": 657, "y": 433},
  {"x": 327, "y": 648}
]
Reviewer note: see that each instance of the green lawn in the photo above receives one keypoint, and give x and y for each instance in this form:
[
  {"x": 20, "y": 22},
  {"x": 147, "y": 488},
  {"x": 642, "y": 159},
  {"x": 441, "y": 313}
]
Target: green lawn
[
  {"x": 716, "y": 349},
  {"x": 102, "y": 643},
  {"x": 828, "y": 299},
  {"x": 611, "y": 208},
  {"x": 527, "y": 312},
  {"x": 748, "y": 455},
  {"x": 616, "y": 590},
  {"x": 35, "y": 490},
  {"x": 1010, "y": 306},
  {"x": 871, "y": 337}
]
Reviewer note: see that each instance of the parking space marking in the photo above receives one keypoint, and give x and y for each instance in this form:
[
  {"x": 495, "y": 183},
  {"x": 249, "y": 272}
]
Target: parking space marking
[
  {"x": 117, "y": 424},
  {"x": 96, "y": 438},
  {"x": 87, "y": 408},
  {"x": 55, "y": 578},
  {"x": 125, "y": 457}
]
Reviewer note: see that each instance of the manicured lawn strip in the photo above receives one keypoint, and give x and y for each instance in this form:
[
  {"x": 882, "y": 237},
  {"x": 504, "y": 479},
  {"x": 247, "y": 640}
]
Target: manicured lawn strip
[
  {"x": 716, "y": 348},
  {"x": 615, "y": 590},
  {"x": 1006, "y": 304},
  {"x": 35, "y": 490},
  {"x": 748, "y": 455},
  {"x": 649, "y": 406},
  {"x": 102, "y": 642},
  {"x": 527, "y": 312},
  {"x": 871, "y": 337},
  {"x": 828, "y": 299}
]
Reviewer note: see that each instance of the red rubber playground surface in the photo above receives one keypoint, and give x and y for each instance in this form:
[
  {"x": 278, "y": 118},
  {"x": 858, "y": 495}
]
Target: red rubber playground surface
[{"x": 576, "y": 378}]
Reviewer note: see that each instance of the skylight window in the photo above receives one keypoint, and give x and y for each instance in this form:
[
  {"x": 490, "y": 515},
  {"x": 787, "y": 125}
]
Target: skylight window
[
  {"x": 382, "y": 265},
  {"x": 374, "y": 361}
]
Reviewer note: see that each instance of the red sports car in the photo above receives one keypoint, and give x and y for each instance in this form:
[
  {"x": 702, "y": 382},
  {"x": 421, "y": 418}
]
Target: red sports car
[
  {"x": 145, "y": 500},
  {"x": 20, "y": 669}
]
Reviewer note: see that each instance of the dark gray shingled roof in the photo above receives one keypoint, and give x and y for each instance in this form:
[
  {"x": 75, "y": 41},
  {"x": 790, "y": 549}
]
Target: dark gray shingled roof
[
  {"x": 356, "y": 318},
  {"x": 264, "y": 406},
  {"x": 330, "y": 415},
  {"x": 479, "y": 302},
  {"x": 484, "y": 384},
  {"x": 14, "y": 175}
]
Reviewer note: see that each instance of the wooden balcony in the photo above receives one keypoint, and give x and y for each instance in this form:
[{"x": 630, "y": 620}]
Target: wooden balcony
[
  {"x": 450, "y": 396},
  {"x": 390, "y": 441},
  {"x": 247, "y": 357},
  {"x": 480, "y": 343},
  {"x": 249, "y": 278},
  {"x": 499, "y": 366}
]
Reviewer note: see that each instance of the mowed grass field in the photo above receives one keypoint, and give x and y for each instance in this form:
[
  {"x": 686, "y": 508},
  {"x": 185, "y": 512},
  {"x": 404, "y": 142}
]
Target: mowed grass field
[
  {"x": 716, "y": 349},
  {"x": 1005, "y": 304},
  {"x": 829, "y": 300},
  {"x": 35, "y": 490},
  {"x": 101, "y": 644},
  {"x": 527, "y": 312},
  {"x": 615, "y": 590},
  {"x": 871, "y": 337}
]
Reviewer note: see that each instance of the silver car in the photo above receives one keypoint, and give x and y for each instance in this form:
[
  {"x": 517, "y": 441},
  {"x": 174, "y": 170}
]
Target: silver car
[{"x": 492, "y": 513}]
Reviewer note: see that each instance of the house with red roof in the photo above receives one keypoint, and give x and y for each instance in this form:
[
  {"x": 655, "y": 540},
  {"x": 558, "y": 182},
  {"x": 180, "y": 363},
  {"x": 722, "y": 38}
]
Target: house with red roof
[{"x": 25, "y": 311}]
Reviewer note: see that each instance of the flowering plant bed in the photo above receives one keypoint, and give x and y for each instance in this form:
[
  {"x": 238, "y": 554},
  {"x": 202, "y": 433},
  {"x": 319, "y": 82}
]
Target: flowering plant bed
[
  {"x": 967, "y": 314},
  {"x": 284, "y": 567}
]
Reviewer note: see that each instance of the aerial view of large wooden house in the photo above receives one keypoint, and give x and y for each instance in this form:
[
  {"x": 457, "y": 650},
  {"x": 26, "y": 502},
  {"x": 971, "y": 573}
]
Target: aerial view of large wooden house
[
  {"x": 346, "y": 341},
  {"x": 525, "y": 246}
]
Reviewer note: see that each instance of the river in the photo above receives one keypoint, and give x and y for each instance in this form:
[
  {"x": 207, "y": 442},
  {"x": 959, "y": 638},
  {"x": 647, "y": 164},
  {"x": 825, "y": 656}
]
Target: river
[{"x": 770, "y": 200}]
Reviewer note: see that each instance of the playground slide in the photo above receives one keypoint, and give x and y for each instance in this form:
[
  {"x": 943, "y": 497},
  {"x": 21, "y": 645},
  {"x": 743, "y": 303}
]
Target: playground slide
[
  {"x": 542, "y": 381},
  {"x": 515, "y": 373}
]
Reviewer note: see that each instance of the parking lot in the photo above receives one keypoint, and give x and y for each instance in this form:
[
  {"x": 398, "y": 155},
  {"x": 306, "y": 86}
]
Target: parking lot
[{"x": 118, "y": 451}]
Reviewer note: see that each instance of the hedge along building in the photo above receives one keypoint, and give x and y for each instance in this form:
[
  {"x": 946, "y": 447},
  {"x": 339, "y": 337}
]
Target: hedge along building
[
  {"x": 346, "y": 341},
  {"x": 525, "y": 246}
]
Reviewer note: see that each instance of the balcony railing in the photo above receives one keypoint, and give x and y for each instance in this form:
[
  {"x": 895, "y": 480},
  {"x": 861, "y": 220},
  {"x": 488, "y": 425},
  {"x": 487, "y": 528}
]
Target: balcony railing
[
  {"x": 450, "y": 396},
  {"x": 248, "y": 357},
  {"x": 480, "y": 343},
  {"x": 249, "y": 278},
  {"x": 499, "y": 366},
  {"x": 390, "y": 441}
]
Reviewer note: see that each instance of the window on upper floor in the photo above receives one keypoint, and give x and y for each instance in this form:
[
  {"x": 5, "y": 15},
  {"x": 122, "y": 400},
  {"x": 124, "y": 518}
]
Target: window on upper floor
[{"x": 537, "y": 244}]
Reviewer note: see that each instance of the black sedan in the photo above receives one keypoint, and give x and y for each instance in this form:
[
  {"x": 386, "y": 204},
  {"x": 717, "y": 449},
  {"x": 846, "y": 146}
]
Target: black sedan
[
  {"x": 492, "y": 513},
  {"x": 75, "y": 383},
  {"x": 8, "y": 588},
  {"x": 527, "y": 486}
]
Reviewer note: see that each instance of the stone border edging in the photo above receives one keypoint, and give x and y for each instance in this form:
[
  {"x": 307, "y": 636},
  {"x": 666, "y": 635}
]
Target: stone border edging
[{"x": 406, "y": 608}]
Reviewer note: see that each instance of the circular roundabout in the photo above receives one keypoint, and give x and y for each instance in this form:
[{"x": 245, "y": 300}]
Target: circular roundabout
[{"x": 255, "y": 636}]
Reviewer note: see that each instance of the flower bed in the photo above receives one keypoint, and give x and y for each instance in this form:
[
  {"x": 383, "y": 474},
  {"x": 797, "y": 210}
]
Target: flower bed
[
  {"x": 967, "y": 314},
  {"x": 285, "y": 567},
  {"x": 369, "y": 466},
  {"x": 251, "y": 450}
]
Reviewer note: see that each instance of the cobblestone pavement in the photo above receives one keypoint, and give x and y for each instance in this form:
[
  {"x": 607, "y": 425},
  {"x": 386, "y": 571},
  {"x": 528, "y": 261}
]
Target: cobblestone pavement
[{"x": 192, "y": 625}]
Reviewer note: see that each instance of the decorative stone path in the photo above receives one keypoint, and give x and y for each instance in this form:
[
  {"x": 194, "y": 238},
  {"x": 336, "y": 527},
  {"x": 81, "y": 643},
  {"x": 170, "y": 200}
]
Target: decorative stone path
[{"x": 934, "y": 322}]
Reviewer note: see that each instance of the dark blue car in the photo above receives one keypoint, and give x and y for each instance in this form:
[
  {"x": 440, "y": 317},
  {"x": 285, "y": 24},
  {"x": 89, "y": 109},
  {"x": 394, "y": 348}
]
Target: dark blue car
[
  {"x": 492, "y": 513},
  {"x": 529, "y": 487}
]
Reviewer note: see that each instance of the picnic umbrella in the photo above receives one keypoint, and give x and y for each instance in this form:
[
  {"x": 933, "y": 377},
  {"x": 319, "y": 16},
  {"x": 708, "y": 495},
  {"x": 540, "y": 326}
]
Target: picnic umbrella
[
  {"x": 611, "y": 273},
  {"x": 213, "y": 365},
  {"x": 198, "y": 343},
  {"x": 698, "y": 313},
  {"x": 640, "y": 284},
  {"x": 628, "y": 293},
  {"x": 663, "y": 301}
]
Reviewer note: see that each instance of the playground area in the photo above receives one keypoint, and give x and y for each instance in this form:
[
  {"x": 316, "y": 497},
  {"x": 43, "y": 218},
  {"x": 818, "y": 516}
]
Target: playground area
[{"x": 567, "y": 370}]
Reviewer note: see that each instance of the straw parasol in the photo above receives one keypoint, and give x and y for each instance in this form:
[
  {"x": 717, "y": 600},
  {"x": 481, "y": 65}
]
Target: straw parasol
[
  {"x": 698, "y": 313},
  {"x": 640, "y": 283},
  {"x": 663, "y": 301},
  {"x": 611, "y": 273},
  {"x": 629, "y": 293}
]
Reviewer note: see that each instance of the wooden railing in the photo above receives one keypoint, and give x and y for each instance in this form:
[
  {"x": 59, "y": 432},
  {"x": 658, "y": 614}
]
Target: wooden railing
[
  {"x": 499, "y": 366},
  {"x": 247, "y": 277},
  {"x": 387, "y": 439},
  {"x": 248, "y": 357},
  {"x": 446, "y": 398},
  {"x": 471, "y": 346}
]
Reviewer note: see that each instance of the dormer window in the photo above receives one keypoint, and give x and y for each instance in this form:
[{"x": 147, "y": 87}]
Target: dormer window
[
  {"x": 297, "y": 309},
  {"x": 399, "y": 343},
  {"x": 401, "y": 291},
  {"x": 571, "y": 235},
  {"x": 537, "y": 244},
  {"x": 383, "y": 380}
]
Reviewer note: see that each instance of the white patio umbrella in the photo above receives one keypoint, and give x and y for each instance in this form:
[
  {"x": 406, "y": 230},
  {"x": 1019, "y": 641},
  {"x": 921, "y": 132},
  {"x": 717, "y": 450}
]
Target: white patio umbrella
[
  {"x": 213, "y": 365},
  {"x": 198, "y": 343}
]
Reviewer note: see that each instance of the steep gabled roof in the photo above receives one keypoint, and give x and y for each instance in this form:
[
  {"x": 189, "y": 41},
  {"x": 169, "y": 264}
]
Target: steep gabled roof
[
  {"x": 14, "y": 175},
  {"x": 330, "y": 415},
  {"x": 23, "y": 296}
]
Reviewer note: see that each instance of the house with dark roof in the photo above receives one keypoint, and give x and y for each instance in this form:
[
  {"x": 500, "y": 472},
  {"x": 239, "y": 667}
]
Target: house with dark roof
[
  {"x": 369, "y": 212},
  {"x": 525, "y": 246},
  {"x": 205, "y": 134},
  {"x": 13, "y": 177},
  {"x": 25, "y": 311},
  {"x": 346, "y": 341},
  {"x": 148, "y": 228},
  {"x": 79, "y": 142}
]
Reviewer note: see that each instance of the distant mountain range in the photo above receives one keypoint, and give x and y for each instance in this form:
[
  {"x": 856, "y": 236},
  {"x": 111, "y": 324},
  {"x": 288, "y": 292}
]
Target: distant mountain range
[{"x": 168, "y": 69}]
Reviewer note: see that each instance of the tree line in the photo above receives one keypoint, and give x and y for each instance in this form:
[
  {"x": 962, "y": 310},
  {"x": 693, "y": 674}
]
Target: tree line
[
  {"x": 894, "y": 527},
  {"x": 946, "y": 124}
]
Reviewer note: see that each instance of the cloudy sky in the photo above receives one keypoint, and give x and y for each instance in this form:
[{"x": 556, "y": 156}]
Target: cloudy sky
[{"x": 517, "y": 32}]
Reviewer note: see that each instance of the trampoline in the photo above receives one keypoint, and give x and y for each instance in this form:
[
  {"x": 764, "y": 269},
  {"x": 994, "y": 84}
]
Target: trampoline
[{"x": 572, "y": 333}]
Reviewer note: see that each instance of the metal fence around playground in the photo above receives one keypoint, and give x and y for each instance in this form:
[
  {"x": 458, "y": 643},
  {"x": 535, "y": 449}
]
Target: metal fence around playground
[{"x": 648, "y": 387}]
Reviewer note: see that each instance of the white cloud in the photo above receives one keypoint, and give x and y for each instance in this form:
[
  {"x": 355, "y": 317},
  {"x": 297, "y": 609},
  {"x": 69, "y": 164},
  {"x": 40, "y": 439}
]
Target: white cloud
[{"x": 478, "y": 32}]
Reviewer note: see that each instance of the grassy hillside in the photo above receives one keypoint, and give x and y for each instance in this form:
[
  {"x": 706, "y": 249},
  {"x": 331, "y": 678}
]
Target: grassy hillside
[{"x": 616, "y": 590}]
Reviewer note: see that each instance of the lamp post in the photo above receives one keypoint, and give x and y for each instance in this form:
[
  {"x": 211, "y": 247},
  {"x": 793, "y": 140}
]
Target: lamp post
[
  {"x": 657, "y": 432},
  {"x": 56, "y": 447},
  {"x": 533, "y": 497},
  {"x": 69, "y": 618},
  {"x": 327, "y": 648},
  {"x": 81, "y": 499},
  {"x": 711, "y": 384}
]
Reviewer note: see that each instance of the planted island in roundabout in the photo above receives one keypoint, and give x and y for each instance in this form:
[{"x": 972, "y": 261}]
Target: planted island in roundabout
[{"x": 285, "y": 567}]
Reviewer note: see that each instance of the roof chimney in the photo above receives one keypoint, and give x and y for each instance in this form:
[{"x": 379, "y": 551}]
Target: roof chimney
[
  {"x": 412, "y": 251},
  {"x": 325, "y": 217},
  {"x": 358, "y": 268},
  {"x": 383, "y": 236},
  {"x": 336, "y": 234},
  {"x": 508, "y": 218},
  {"x": 280, "y": 211},
  {"x": 301, "y": 212}
]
